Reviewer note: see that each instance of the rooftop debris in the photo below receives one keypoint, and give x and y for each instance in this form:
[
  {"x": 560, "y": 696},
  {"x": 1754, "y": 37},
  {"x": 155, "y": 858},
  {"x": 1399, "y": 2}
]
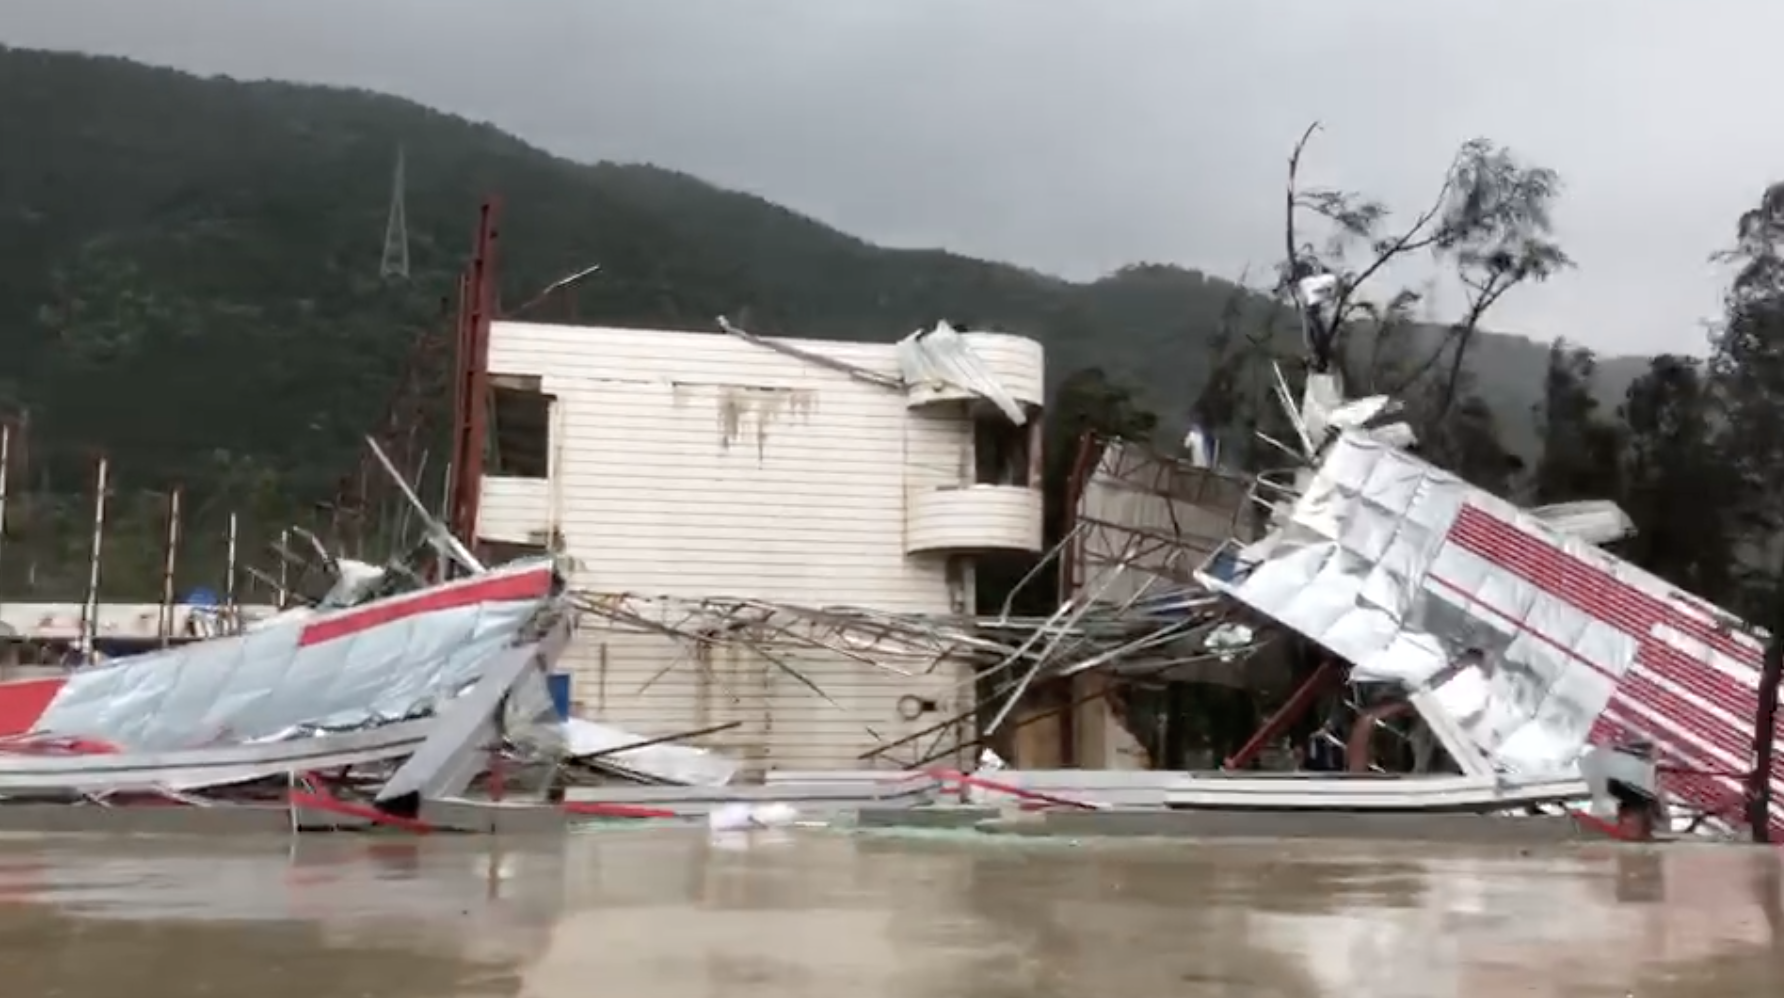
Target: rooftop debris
[
  {"x": 392, "y": 686},
  {"x": 1520, "y": 648}
]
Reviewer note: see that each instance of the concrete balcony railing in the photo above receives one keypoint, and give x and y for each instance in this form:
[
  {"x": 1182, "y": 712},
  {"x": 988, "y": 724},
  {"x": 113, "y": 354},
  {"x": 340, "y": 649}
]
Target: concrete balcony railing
[{"x": 973, "y": 518}]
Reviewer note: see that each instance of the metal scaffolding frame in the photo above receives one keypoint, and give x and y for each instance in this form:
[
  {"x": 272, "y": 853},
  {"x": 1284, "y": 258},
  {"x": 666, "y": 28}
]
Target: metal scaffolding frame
[{"x": 1112, "y": 481}]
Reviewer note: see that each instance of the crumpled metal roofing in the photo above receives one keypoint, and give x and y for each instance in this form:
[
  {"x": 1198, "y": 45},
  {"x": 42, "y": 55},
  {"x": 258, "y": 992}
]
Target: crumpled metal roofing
[
  {"x": 378, "y": 663},
  {"x": 942, "y": 356},
  {"x": 1521, "y": 642}
]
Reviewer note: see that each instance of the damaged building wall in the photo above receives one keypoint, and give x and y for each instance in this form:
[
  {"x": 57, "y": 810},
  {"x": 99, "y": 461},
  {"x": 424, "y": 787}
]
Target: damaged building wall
[
  {"x": 693, "y": 465},
  {"x": 1160, "y": 515},
  {"x": 1143, "y": 523},
  {"x": 653, "y": 682}
]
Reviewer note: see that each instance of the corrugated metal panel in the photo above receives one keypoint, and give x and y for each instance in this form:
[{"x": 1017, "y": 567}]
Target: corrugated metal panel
[{"x": 698, "y": 465}]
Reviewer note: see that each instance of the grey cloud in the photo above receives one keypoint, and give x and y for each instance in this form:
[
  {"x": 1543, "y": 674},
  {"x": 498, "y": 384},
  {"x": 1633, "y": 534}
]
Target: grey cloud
[{"x": 1076, "y": 136}]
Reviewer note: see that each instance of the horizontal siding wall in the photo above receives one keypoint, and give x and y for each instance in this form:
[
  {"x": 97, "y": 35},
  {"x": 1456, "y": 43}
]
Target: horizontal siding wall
[
  {"x": 697, "y": 466},
  {"x": 654, "y": 684},
  {"x": 514, "y": 510}
]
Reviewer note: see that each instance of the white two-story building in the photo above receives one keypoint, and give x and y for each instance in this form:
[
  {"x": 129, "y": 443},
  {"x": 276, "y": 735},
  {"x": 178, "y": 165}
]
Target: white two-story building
[{"x": 725, "y": 490}]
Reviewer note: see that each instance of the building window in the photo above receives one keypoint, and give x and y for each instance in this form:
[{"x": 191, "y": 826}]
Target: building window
[
  {"x": 519, "y": 427},
  {"x": 1000, "y": 451}
]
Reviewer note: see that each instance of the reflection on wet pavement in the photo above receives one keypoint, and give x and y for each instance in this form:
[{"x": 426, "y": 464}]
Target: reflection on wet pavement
[{"x": 674, "y": 914}]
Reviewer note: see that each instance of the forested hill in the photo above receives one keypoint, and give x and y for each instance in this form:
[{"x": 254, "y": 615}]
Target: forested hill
[{"x": 190, "y": 272}]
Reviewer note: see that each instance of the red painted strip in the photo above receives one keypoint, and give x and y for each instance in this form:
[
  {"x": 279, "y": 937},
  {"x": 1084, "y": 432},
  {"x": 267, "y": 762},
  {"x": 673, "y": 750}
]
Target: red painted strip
[
  {"x": 1593, "y": 822},
  {"x": 1698, "y": 723},
  {"x": 323, "y": 802},
  {"x": 1611, "y": 602},
  {"x": 1640, "y": 614},
  {"x": 950, "y": 776},
  {"x": 1519, "y": 625},
  {"x": 1612, "y": 725},
  {"x": 1584, "y": 585},
  {"x": 1694, "y": 677},
  {"x": 600, "y": 810},
  {"x": 500, "y": 588},
  {"x": 53, "y": 745},
  {"x": 23, "y": 703},
  {"x": 1670, "y": 750}
]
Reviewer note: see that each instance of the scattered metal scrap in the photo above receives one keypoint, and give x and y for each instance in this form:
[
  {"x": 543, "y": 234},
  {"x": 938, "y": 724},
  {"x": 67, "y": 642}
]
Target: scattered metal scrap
[
  {"x": 1520, "y": 649},
  {"x": 1147, "y": 634}
]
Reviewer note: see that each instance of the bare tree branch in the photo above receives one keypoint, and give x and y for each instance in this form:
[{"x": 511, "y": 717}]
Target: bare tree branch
[{"x": 1291, "y": 250}]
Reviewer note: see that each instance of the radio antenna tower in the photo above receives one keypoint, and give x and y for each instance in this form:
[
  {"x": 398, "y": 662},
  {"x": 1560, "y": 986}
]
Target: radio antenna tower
[{"x": 395, "y": 264}]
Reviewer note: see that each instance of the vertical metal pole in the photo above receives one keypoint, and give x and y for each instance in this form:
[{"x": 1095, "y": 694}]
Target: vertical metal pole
[
  {"x": 471, "y": 394},
  {"x": 1090, "y": 454},
  {"x": 362, "y": 515},
  {"x": 5, "y": 463},
  {"x": 90, "y": 609},
  {"x": 229, "y": 571},
  {"x": 1326, "y": 676},
  {"x": 439, "y": 571},
  {"x": 284, "y": 594},
  {"x": 446, "y": 494},
  {"x": 168, "y": 566}
]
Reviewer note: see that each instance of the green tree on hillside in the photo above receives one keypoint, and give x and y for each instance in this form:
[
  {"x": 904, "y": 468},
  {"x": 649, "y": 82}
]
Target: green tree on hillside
[
  {"x": 1747, "y": 364},
  {"x": 1677, "y": 484},
  {"x": 1581, "y": 452}
]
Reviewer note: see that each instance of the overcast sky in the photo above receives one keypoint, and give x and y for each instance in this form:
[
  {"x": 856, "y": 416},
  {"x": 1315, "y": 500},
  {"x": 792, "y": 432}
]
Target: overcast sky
[{"x": 1077, "y": 135}]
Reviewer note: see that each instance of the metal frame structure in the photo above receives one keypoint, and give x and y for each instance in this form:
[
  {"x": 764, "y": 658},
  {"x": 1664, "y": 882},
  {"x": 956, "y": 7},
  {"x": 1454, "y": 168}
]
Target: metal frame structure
[
  {"x": 452, "y": 361},
  {"x": 478, "y": 304},
  {"x": 1099, "y": 542},
  {"x": 1009, "y": 653}
]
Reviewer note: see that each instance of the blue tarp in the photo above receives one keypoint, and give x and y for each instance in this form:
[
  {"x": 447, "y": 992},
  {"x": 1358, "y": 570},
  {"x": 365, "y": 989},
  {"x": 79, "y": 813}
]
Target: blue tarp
[
  {"x": 202, "y": 597},
  {"x": 558, "y": 683}
]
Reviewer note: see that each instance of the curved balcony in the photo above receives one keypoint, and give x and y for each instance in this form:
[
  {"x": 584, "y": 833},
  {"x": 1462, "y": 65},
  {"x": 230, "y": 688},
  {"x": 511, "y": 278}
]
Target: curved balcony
[
  {"x": 973, "y": 518},
  {"x": 1017, "y": 362}
]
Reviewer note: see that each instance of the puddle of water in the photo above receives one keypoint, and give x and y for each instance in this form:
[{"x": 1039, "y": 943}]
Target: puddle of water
[{"x": 676, "y": 915}]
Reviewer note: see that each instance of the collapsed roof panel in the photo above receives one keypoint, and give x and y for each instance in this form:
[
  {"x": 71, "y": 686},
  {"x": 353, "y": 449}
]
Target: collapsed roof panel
[
  {"x": 381, "y": 662},
  {"x": 1529, "y": 641},
  {"x": 941, "y": 356},
  {"x": 330, "y": 689}
]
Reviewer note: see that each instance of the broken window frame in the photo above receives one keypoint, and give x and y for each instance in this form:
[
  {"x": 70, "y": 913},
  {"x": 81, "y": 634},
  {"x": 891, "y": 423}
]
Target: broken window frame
[
  {"x": 1003, "y": 453},
  {"x": 519, "y": 399}
]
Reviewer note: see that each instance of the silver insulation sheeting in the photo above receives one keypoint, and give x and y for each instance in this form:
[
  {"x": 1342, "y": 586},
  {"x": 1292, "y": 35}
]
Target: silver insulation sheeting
[
  {"x": 1521, "y": 641},
  {"x": 343, "y": 687}
]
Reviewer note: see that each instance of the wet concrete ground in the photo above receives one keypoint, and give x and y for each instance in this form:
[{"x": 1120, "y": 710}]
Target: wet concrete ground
[{"x": 677, "y": 915}]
